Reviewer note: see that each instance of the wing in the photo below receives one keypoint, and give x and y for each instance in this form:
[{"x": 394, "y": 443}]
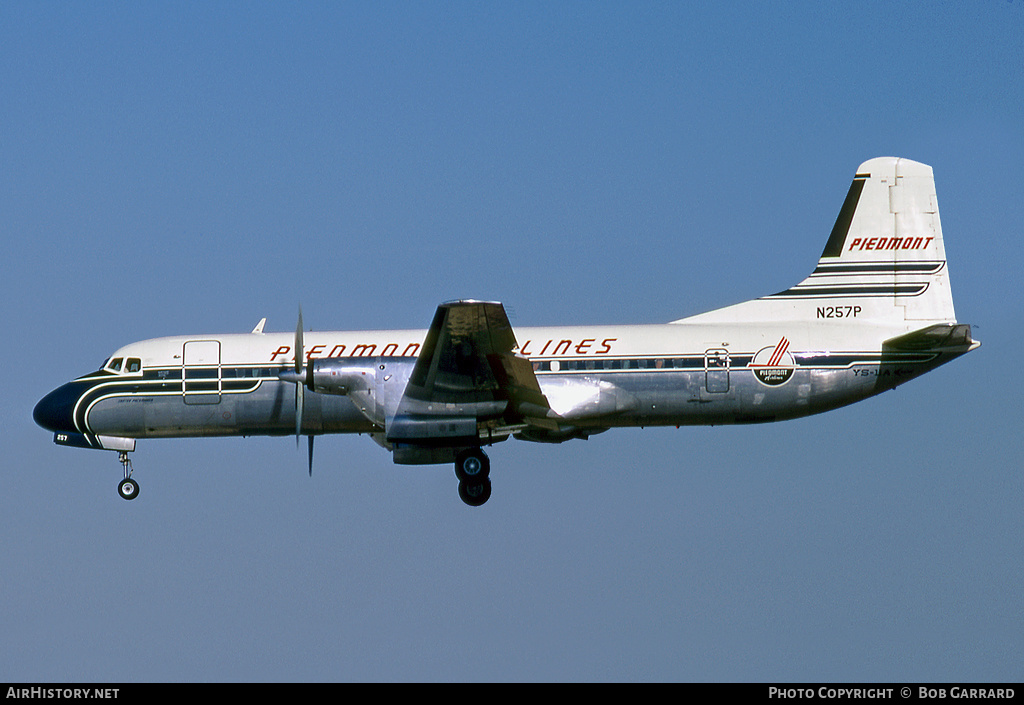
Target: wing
[{"x": 467, "y": 373}]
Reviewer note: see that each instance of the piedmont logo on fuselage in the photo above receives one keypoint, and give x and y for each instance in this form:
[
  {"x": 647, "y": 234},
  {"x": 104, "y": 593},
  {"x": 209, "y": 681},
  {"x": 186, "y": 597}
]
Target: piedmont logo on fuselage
[{"x": 773, "y": 365}]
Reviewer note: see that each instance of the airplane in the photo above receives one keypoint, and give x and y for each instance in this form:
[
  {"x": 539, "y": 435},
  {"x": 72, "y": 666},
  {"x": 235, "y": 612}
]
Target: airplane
[{"x": 876, "y": 311}]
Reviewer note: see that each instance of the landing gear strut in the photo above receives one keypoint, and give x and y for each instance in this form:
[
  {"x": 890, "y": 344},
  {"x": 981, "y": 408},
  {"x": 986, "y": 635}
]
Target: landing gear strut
[
  {"x": 473, "y": 468},
  {"x": 127, "y": 488}
]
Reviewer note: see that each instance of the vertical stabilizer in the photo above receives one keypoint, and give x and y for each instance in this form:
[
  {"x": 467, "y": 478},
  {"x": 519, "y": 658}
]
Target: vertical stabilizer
[{"x": 884, "y": 261}]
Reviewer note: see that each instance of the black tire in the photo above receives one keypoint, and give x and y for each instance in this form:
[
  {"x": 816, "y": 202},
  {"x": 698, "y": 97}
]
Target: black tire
[
  {"x": 475, "y": 492},
  {"x": 472, "y": 466},
  {"x": 128, "y": 488}
]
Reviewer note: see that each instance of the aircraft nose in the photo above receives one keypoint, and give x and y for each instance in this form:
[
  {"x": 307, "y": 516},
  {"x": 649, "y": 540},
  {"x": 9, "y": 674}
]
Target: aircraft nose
[{"x": 55, "y": 411}]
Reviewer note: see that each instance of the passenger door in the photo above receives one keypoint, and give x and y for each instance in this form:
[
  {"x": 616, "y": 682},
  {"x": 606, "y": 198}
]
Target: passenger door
[{"x": 716, "y": 370}]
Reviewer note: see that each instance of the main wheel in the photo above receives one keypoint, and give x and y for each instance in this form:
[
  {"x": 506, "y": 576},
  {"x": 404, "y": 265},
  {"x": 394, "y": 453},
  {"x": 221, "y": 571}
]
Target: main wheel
[
  {"x": 128, "y": 488},
  {"x": 472, "y": 465},
  {"x": 475, "y": 492}
]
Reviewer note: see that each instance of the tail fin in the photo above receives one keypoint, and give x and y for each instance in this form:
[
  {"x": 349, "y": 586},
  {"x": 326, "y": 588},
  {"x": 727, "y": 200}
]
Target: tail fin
[{"x": 884, "y": 261}]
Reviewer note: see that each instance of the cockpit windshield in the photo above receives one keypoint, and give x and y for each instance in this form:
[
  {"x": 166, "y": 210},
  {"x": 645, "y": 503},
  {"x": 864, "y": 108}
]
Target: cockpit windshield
[{"x": 121, "y": 365}]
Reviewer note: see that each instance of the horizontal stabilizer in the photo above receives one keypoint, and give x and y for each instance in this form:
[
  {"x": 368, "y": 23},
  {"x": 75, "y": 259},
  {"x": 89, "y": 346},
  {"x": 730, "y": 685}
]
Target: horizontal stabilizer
[{"x": 934, "y": 339}]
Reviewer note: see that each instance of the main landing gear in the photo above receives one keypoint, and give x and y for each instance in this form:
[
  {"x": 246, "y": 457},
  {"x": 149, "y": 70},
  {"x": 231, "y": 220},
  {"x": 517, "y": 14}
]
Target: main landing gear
[
  {"x": 127, "y": 488},
  {"x": 473, "y": 468}
]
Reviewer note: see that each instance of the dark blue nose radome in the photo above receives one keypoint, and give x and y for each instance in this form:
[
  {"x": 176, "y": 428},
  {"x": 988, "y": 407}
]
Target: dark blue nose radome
[{"x": 55, "y": 411}]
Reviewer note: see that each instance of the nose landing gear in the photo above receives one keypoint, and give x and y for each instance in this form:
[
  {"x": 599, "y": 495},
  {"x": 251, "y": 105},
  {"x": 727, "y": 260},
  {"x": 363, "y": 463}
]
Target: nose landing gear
[{"x": 127, "y": 488}]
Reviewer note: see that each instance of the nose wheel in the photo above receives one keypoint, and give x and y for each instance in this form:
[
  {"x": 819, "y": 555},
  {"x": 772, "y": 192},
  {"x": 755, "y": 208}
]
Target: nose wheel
[{"x": 127, "y": 488}]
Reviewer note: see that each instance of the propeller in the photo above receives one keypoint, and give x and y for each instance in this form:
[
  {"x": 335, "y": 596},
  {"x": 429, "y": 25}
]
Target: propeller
[
  {"x": 299, "y": 385},
  {"x": 299, "y": 378}
]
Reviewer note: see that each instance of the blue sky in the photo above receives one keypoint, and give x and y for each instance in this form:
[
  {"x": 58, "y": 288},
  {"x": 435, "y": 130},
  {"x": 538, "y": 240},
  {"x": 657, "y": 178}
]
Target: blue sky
[{"x": 174, "y": 168}]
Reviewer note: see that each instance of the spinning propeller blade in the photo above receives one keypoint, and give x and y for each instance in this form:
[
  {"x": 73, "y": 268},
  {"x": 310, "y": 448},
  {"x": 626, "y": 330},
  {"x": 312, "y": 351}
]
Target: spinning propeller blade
[
  {"x": 296, "y": 375},
  {"x": 310, "y": 437},
  {"x": 299, "y": 386}
]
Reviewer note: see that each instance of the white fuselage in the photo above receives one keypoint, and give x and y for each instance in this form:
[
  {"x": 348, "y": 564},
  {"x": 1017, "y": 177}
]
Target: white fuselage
[{"x": 593, "y": 377}]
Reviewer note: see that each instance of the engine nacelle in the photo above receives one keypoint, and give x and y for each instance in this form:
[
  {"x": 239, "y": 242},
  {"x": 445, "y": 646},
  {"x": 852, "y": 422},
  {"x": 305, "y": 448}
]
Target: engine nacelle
[{"x": 342, "y": 375}]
